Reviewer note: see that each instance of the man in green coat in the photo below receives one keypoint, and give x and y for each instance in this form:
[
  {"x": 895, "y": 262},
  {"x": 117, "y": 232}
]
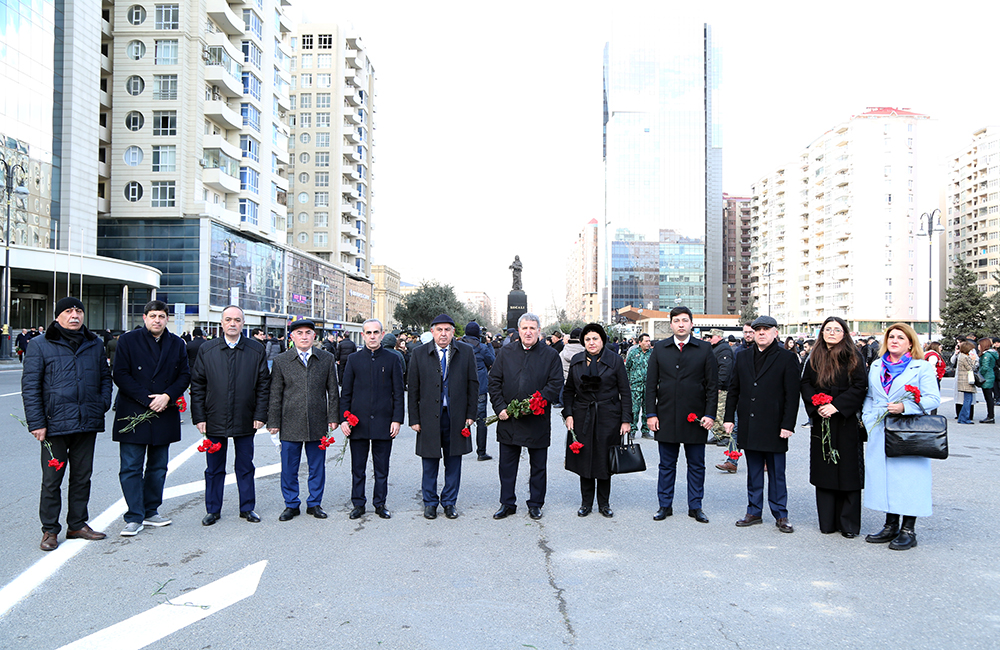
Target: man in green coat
[{"x": 987, "y": 368}]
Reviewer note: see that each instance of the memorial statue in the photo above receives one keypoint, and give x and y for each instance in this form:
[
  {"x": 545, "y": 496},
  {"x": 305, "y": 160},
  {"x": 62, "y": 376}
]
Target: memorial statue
[{"x": 516, "y": 268}]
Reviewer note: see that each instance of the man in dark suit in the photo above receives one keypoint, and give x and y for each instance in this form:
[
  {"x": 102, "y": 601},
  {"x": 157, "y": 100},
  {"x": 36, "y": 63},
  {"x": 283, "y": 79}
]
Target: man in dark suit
[
  {"x": 372, "y": 391},
  {"x": 444, "y": 393},
  {"x": 304, "y": 407},
  {"x": 345, "y": 348},
  {"x": 151, "y": 372},
  {"x": 681, "y": 381},
  {"x": 764, "y": 393}
]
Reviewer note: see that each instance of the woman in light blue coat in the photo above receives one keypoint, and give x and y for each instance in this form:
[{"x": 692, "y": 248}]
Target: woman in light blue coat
[{"x": 901, "y": 485}]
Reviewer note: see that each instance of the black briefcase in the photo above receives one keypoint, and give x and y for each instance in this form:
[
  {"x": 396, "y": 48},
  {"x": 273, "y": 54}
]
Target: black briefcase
[
  {"x": 625, "y": 459},
  {"x": 916, "y": 435}
]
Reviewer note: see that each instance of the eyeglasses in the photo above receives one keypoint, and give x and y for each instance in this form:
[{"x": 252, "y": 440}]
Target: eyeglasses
[{"x": 832, "y": 330}]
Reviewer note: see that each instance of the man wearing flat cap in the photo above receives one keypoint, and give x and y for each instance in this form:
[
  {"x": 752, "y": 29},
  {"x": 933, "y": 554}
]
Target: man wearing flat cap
[
  {"x": 304, "y": 407},
  {"x": 764, "y": 393},
  {"x": 66, "y": 390}
]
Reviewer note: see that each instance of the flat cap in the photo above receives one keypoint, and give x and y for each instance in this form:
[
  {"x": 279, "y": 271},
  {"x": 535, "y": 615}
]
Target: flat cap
[
  {"x": 764, "y": 321},
  {"x": 442, "y": 319},
  {"x": 302, "y": 322}
]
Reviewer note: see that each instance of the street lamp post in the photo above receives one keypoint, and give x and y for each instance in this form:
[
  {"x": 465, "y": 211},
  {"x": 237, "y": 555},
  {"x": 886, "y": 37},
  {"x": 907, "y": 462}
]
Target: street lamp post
[
  {"x": 20, "y": 190},
  {"x": 230, "y": 245},
  {"x": 930, "y": 261}
]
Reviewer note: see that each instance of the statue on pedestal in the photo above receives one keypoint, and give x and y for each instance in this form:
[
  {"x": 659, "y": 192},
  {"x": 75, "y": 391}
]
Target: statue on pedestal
[{"x": 516, "y": 268}]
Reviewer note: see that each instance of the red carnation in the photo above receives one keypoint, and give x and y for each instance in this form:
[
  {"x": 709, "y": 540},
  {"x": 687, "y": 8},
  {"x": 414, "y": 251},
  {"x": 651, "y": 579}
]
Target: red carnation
[
  {"x": 819, "y": 399},
  {"x": 215, "y": 447},
  {"x": 209, "y": 447},
  {"x": 181, "y": 404},
  {"x": 352, "y": 420},
  {"x": 692, "y": 417},
  {"x": 575, "y": 447},
  {"x": 55, "y": 463},
  {"x": 913, "y": 390},
  {"x": 466, "y": 432},
  {"x": 537, "y": 403},
  {"x": 733, "y": 455},
  {"x": 326, "y": 442}
]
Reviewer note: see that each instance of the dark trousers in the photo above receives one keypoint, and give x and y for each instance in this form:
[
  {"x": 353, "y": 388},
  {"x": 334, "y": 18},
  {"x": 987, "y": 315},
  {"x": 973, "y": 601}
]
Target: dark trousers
[
  {"x": 481, "y": 424},
  {"x": 838, "y": 510},
  {"x": 380, "y": 468},
  {"x": 77, "y": 451},
  {"x": 996, "y": 391},
  {"x": 510, "y": 455},
  {"x": 695, "y": 455},
  {"x": 603, "y": 489},
  {"x": 777, "y": 491},
  {"x": 291, "y": 457},
  {"x": 215, "y": 473},
  {"x": 988, "y": 396},
  {"x": 452, "y": 470},
  {"x": 143, "y": 491}
]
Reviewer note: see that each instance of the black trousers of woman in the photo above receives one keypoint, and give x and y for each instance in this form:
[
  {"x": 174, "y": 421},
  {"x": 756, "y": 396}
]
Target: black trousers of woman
[
  {"x": 603, "y": 491},
  {"x": 839, "y": 510}
]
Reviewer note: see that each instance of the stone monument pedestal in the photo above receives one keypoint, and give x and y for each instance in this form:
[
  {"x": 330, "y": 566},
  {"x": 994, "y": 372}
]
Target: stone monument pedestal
[{"x": 517, "y": 304}]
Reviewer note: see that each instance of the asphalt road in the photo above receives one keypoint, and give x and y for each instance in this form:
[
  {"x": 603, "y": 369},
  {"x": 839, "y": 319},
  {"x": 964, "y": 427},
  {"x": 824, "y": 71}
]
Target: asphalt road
[{"x": 563, "y": 581}]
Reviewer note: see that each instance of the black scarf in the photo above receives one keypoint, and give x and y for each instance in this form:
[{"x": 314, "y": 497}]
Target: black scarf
[
  {"x": 760, "y": 356},
  {"x": 73, "y": 337}
]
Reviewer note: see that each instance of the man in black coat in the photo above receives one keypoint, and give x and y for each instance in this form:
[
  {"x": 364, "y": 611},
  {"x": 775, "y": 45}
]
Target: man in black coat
[
  {"x": 346, "y": 348},
  {"x": 197, "y": 340},
  {"x": 372, "y": 391},
  {"x": 764, "y": 394},
  {"x": 230, "y": 390},
  {"x": 66, "y": 390},
  {"x": 681, "y": 381},
  {"x": 523, "y": 367},
  {"x": 444, "y": 396},
  {"x": 151, "y": 372}
]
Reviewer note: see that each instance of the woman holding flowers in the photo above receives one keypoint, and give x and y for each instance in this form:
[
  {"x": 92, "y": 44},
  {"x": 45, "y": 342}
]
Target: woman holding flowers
[
  {"x": 834, "y": 383},
  {"x": 597, "y": 405},
  {"x": 899, "y": 381}
]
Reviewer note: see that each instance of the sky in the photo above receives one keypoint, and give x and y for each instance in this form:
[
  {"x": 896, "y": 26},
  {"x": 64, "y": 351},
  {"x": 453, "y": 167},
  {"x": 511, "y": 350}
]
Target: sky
[{"x": 488, "y": 115}]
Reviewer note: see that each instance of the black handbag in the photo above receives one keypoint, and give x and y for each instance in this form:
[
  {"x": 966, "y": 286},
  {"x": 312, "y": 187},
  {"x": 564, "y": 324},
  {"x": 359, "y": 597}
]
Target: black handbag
[
  {"x": 979, "y": 379},
  {"x": 625, "y": 459},
  {"x": 916, "y": 435}
]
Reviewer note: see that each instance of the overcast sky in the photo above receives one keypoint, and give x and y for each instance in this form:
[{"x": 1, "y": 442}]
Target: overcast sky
[{"x": 488, "y": 115}]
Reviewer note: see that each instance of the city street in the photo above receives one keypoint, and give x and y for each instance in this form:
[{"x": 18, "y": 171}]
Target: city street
[{"x": 563, "y": 581}]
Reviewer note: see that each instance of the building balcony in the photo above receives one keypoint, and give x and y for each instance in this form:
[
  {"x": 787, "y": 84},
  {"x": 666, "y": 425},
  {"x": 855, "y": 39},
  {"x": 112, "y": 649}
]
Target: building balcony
[
  {"x": 350, "y": 190},
  {"x": 347, "y": 227},
  {"x": 284, "y": 103},
  {"x": 347, "y": 208},
  {"x": 354, "y": 58},
  {"x": 103, "y": 170},
  {"x": 105, "y": 64},
  {"x": 284, "y": 157},
  {"x": 105, "y": 98},
  {"x": 104, "y": 134},
  {"x": 104, "y": 205},
  {"x": 106, "y": 29},
  {"x": 225, "y": 18},
  {"x": 219, "y": 142},
  {"x": 220, "y": 77},
  {"x": 284, "y": 23},
  {"x": 354, "y": 43},
  {"x": 352, "y": 154},
  {"x": 351, "y": 173},
  {"x": 221, "y": 112},
  {"x": 351, "y": 134},
  {"x": 220, "y": 39},
  {"x": 353, "y": 98},
  {"x": 351, "y": 117},
  {"x": 220, "y": 181}
]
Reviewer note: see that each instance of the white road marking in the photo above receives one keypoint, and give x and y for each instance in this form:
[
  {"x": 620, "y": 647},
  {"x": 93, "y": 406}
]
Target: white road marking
[
  {"x": 143, "y": 629},
  {"x": 10, "y": 394}
]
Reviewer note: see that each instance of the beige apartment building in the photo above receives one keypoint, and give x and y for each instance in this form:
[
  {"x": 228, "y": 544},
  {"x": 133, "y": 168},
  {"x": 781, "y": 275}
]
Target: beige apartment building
[
  {"x": 385, "y": 284},
  {"x": 973, "y": 209},
  {"x": 581, "y": 276},
  {"x": 736, "y": 252}
]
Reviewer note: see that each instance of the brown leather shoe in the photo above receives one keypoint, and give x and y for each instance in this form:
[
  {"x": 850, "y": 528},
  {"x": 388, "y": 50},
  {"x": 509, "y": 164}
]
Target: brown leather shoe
[
  {"x": 784, "y": 526},
  {"x": 750, "y": 520},
  {"x": 49, "y": 542},
  {"x": 727, "y": 467},
  {"x": 85, "y": 533}
]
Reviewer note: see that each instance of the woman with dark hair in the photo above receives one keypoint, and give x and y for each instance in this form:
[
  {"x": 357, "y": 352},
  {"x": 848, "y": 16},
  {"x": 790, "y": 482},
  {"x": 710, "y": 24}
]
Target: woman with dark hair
[
  {"x": 836, "y": 454},
  {"x": 963, "y": 382},
  {"x": 597, "y": 405}
]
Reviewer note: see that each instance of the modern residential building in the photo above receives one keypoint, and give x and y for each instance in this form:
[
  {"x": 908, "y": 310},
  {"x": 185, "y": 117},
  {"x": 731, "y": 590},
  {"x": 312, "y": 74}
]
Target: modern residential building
[
  {"x": 385, "y": 284},
  {"x": 736, "y": 251},
  {"x": 480, "y": 304},
  {"x": 663, "y": 158},
  {"x": 835, "y": 231},
  {"x": 582, "y": 275},
  {"x": 330, "y": 172},
  {"x": 972, "y": 223}
]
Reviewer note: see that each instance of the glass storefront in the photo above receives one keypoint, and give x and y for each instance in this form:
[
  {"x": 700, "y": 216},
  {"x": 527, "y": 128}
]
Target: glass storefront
[{"x": 170, "y": 245}]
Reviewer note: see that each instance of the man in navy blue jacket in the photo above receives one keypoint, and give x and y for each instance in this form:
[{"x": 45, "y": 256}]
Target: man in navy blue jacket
[{"x": 485, "y": 356}]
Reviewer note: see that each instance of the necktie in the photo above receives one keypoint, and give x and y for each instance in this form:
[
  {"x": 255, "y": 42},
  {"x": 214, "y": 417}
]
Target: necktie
[
  {"x": 444, "y": 364},
  {"x": 305, "y": 358},
  {"x": 680, "y": 346},
  {"x": 444, "y": 378}
]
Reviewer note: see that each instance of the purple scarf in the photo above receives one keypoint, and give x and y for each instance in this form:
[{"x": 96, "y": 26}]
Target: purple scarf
[{"x": 892, "y": 370}]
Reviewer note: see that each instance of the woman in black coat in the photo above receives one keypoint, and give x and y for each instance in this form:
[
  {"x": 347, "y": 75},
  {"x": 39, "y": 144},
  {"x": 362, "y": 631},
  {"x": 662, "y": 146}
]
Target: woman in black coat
[
  {"x": 836, "y": 369},
  {"x": 598, "y": 409}
]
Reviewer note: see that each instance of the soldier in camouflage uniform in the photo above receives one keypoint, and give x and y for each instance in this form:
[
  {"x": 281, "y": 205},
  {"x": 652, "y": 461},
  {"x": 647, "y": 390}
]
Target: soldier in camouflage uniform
[{"x": 636, "y": 363}]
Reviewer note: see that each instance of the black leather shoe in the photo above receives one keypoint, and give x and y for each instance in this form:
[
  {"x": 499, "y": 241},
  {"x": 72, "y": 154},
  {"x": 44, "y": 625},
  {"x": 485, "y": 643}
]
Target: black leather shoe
[
  {"x": 430, "y": 512},
  {"x": 210, "y": 519},
  {"x": 535, "y": 512},
  {"x": 750, "y": 520},
  {"x": 485, "y": 457},
  {"x": 698, "y": 515},
  {"x": 316, "y": 511},
  {"x": 783, "y": 525},
  {"x": 849, "y": 535},
  {"x": 663, "y": 513},
  {"x": 250, "y": 516},
  {"x": 987, "y": 421},
  {"x": 606, "y": 511},
  {"x": 906, "y": 540},
  {"x": 648, "y": 436},
  {"x": 288, "y": 514},
  {"x": 584, "y": 511},
  {"x": 357, "y": 512},
  {"x": 887, "y": 534},
  {"x": 504, "y": 512},
  {"x": 382, "y": 512},
  {"x": 450, "y": 513}
]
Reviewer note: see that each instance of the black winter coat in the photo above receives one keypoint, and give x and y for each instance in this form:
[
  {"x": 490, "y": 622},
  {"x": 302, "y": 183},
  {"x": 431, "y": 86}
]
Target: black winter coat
[
  {"x": 373, "y": 391},
  {"x": 425, "y": 398},
  {"x": 846, "y": 435},
  {"x": 141, "y": 370},
  {"x": 230, "y": 388},
  {"x": 599, "y": 405},
  {"x": 724, "y": 359},
  {"x": 766, "y": 402},
  {"x": 517, "y": 374},
  {"x": 678, "y": 384},
  {"x": 304, "y": 401},
  {"x": 64, "y": 391}
]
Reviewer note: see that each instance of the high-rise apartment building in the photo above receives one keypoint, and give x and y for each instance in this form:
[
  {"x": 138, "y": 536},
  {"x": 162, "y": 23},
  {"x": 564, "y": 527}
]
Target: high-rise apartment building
[
  {"x": 332, "y": 120},
  {"x": 480, "y": 304},
  {"x": 834, "y": 232},
  {"x": 736, "y": 251},
  {"x": 663, "y": 162},
  {"x": 582, "y": 276},
  {"x": 973, "y": 215},
  {"x": 385, "y": 284}
]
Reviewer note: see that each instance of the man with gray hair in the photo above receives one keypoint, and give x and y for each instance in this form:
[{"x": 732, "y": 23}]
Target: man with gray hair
[{"x": 521, "y": 369}]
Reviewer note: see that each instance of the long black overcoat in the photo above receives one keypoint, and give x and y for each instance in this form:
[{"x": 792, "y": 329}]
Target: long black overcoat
[
  {"x": 517, "y": 374},
  {"x": 304, "y": 400},
  {"x": 142, "y": 370},
  {"x": 230, "y": 387},
  {"x": 766, "y": 402},
  {"x": 599, "y": 406},
  {"x": 372, "y": 390},
  {"x": 678, "y": 384},
  {"x": 425, "y": 397},
  {"x": 848, "y": 392}
]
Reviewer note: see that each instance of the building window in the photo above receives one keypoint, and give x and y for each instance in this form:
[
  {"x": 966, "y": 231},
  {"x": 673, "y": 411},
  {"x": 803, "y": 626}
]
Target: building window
[
  {"x": 303, "y": 158},
  {"x": 323, "y": 80},
  {"x": 322, "y": 120},
  {"x": 305, "y": 138},
  {"x": 164, "y": 158},
  {"x": 324, "y": 42},
  {"x": 168, "y": 17},
  {"x": 133, "y": 191},
  {"x": 324, "y": 61},
  {"x": 322, "y": 200},
  {"x": 321, "y": 220},
  {"x": 305, "y": 100},
  {"x": 306, "y": 61},
  {"x": 248, "y": 211},
  {"x": 132, "y": 156},
  {"x": 250, "y": 148},
  {"x": 252, "y": 54},
  {"x": 305, "y": 120},
  {"x": 166, "y": 53},
  {"x": 251, "y": 116},
  {"x": 136, "y": 15},
  {"x": 322, "y": 139},
  {"x": 135, "y": 50},
  {"x": 165, "y": 86},
  {"x": 164, "y": 122},
  {"x": 322, "y": 159},
  {"x": 322, "y": 100},
  {"x": 135, "y": 85},
  {"x": 134, "y": 121},
  {"x": 306, "y": 80},
  {"x": 307, "y": 42},
  {"x": 303, "y": 217},
  {"x": 303, "y": 236},
  {"x": 163, "y": 194},
  {"x": 249, "y": 179},
  {"x": 251, "y": 85},
  {"x": 322, "y": 179},
  {"x": 303, "y": 177},
  {"x": 320, "y": 239},
  {"x": 253, "y": 23}
]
